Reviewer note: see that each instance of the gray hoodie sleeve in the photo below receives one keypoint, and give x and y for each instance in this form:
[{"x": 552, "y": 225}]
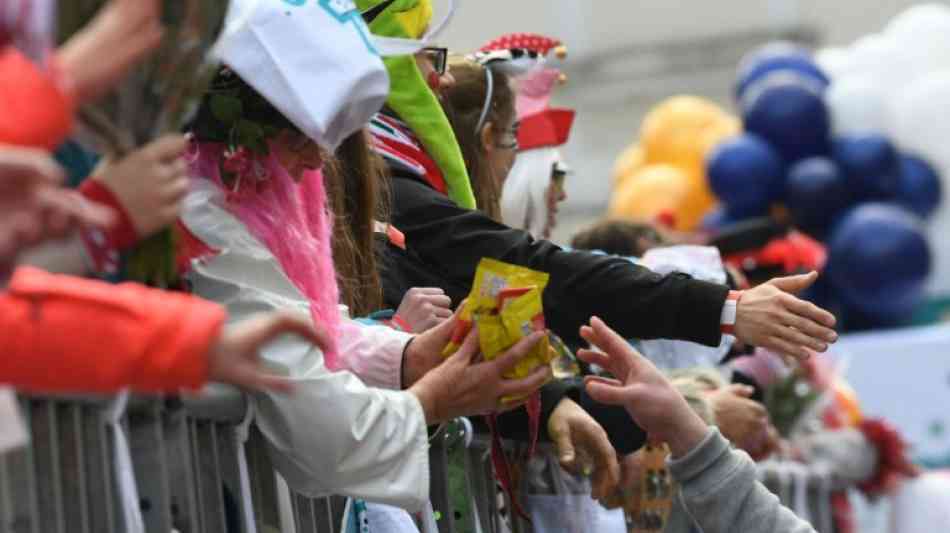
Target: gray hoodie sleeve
[{"x": 720, "y": 492}]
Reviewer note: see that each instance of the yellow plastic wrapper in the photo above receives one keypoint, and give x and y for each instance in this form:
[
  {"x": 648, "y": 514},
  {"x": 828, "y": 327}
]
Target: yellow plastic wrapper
[{"x": 506, "y": 304}]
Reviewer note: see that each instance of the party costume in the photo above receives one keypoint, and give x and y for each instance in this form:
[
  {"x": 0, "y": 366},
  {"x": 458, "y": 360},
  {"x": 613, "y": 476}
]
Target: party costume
[
  {"x": 411, "y": 99},
  {"x": 543, "y": 129}
]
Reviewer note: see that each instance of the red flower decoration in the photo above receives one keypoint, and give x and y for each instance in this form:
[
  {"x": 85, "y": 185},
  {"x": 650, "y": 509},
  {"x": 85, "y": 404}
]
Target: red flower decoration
[{"x": 893, "y": 464}]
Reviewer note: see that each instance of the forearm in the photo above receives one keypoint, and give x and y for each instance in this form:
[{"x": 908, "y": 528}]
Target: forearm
[{"x": 720, "y": 492}]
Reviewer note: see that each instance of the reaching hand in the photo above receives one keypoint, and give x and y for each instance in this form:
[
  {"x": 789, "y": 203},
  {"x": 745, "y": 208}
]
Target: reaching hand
[
  {"x": 97, "y": 57},
  {"x": 33, "y": 206},
  {"x": 464, "y": 386},
  {"x": 424, "y": 308},
  {"x": 150, "y": 183},
  {"x": 579, "y": 438},
  {"x": 649, "y": 398},
  {"x": 235, "y": 357},
  {"x": 743, "y": 421},
  {"x": 769, "y": 316}
]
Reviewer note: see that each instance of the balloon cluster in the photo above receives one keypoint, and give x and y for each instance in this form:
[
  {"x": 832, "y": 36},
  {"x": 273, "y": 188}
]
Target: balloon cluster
[
  {"x": 853, "y": 144},
  {"x": 662, "y": 176}
]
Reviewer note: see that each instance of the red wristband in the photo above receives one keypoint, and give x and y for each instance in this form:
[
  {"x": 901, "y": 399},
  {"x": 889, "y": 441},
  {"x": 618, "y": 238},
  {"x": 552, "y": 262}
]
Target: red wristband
[
  {"x": 122, "y": 235},
  {"x": 401, "y": 324}
]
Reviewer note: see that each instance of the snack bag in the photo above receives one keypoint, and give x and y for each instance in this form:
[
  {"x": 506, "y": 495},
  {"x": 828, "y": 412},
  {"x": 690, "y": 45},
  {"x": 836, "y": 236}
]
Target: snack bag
[{"x": 506, "y": 304}]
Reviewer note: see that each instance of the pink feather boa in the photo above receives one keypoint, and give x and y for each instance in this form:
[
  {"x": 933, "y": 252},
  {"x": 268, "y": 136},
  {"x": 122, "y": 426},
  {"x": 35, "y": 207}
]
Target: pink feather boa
[{"x": 292, "y": 220}]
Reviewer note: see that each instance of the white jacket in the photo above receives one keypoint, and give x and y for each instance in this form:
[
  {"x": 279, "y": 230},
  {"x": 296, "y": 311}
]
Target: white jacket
[{"x": 333, "y": 435}]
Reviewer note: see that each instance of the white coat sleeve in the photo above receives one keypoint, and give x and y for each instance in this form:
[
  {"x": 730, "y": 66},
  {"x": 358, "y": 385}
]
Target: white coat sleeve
[{"x": 333, "y": 435}]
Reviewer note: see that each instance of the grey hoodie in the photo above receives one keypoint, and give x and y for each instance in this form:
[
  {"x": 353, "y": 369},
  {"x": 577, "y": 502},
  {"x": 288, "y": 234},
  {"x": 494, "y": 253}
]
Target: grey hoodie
[{"x": 719, "y": 490}]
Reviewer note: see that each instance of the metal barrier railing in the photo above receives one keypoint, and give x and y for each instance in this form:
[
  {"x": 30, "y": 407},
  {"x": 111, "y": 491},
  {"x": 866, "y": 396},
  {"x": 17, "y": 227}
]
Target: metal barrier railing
[{"x": 186, "y": 460}]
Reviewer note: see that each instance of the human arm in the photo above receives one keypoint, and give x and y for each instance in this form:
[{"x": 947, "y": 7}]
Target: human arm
[
  {"x": 65, "y": 334},
  {"x": 718, "y": 486},
  {"x": 640, "y": 303}
]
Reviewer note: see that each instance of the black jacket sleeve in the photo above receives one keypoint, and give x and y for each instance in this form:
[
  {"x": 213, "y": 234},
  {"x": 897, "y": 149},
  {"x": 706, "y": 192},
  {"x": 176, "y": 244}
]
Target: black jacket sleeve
[{"x": 635, "y": 301}]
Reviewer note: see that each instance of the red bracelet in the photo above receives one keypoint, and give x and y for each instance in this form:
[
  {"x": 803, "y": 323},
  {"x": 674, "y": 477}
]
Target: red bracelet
[
  {"x": 401, "y": 324},
  {"x": 122, "y": 235}
]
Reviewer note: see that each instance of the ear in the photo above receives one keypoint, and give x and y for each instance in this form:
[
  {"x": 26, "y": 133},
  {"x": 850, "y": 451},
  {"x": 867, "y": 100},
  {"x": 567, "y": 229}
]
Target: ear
[{"x": 487, "y": 137}]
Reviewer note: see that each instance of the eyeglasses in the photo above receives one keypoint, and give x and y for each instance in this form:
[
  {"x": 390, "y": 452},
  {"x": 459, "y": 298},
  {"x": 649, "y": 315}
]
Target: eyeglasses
[
  {"x": 511, "y": 133},
  {"x": 439, "y": 58}
]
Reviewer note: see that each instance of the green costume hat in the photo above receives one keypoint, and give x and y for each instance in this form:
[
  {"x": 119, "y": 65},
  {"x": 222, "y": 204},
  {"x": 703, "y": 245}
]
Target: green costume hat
[{"x": 411, "y": 97}]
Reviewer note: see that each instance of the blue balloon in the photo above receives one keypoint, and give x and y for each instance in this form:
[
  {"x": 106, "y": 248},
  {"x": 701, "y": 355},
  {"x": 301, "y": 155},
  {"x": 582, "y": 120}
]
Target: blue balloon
[
  {"x": 870, "y": 163},
  {"x": 879, "y": 261},
  {"x": 746, "y": 174},
  {"x": 718, "y": 219},
  {"x": 816, "y": 193},
  {"x": 919, "y": 188},
  {"x": 776, "y": 57},
  {"x": 788, "y": 111}
]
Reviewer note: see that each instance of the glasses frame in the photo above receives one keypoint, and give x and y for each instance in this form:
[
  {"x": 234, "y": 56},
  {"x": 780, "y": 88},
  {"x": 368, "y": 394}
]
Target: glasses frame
[{"x": 439, "y": 56}]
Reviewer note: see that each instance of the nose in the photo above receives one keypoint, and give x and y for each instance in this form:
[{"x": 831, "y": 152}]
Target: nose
[
  {"x": 447, "y": 81},
  {"x": 562, "y": 196}
]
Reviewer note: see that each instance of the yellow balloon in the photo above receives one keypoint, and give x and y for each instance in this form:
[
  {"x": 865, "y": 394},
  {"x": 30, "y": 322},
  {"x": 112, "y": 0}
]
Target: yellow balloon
[
  {"x": 683, "y": 129},
  {"x": 654, "y": 191},
  {"x": 629, "y": 163}
]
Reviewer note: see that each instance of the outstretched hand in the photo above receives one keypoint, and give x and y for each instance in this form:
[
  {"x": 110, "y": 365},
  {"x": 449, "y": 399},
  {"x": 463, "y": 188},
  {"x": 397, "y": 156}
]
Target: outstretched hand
[
  {"x": 771, "y": 317},
  {"x": 235, "y": 357},
  {"x": 639, "y": 387}
]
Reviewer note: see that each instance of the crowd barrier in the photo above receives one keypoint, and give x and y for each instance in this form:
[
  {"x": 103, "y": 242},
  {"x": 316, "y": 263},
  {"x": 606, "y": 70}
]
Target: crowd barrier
[{"x": 197, "y": 465}]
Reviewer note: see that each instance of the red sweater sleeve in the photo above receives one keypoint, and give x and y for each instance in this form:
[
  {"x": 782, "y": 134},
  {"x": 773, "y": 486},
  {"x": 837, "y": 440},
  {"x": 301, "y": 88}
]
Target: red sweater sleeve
[{"x": 66, "y": 334}]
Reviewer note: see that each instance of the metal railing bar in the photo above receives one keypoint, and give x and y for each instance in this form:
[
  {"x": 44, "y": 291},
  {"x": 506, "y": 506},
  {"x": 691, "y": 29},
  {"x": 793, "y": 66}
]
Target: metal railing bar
[
  {"x": 100, "y": 479},
  {"x": 46, "y": 468},
  {"x": 151, "y": 469},
  {"x": 73, "y": 474}
]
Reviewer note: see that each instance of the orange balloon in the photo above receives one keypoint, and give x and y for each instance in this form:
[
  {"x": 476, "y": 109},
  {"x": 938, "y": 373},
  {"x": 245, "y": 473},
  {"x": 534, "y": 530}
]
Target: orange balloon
[
  {"x": 36, "y": 111},
  {"x": 655, "y": 191},
  {"x": 675, "y": 131},
  {"x": 629, "y": 163}
]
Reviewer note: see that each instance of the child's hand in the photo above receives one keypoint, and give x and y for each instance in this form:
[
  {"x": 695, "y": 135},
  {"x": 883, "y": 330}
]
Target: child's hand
[
  {"x": 235, "y": 357},
  {"x": 424, "y": 308},
  {"x": 150, "y": 183},
  {"x": 641, "y": 389}
]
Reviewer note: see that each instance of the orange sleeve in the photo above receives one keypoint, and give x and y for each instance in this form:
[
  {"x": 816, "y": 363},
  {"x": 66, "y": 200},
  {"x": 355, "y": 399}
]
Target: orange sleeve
[
  {"x": 66, "y": 334},
  {"x": 35, "y": 110}
]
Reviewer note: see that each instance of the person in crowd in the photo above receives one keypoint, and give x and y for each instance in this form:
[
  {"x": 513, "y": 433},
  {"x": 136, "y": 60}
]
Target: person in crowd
[
  {"x": 624, "y": 238},
  {"x": 263, "y": 222},
  {"x": 130, "y": 336},
  {"x": 143, "y": 189},
  {"x": 718, "y": 488},
  {"x": 443, "y": 233}
]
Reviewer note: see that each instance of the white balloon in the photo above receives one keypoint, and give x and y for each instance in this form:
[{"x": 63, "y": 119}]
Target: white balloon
[
  {"x": 918, "y": 20},
  {"x": 922, "y": 118},
  {"x": 857, "y": 105},
  {"x": 833, "y": 61}
]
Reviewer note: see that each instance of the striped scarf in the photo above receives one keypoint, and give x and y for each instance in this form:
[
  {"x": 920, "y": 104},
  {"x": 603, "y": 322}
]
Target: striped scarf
[{"x": 395, "y": 142}]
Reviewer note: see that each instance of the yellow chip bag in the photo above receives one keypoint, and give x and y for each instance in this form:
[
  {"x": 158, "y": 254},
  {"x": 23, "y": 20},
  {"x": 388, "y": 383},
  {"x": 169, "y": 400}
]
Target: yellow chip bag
[{"x": 506, "y": 304}]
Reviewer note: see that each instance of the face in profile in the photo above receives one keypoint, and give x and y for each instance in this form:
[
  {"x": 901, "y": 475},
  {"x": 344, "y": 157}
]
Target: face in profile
[
  {"x": 297, "y": 153},
  {"x": 554, "y": 195}
]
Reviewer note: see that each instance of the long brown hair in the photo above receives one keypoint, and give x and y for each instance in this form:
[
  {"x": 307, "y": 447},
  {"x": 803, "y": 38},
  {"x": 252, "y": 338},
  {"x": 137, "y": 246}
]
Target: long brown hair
[
  {"x": 359, "y": 197},
  {"x": 463, "y": 104}
]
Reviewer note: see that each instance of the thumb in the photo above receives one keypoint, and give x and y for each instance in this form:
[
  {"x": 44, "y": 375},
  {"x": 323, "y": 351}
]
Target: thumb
[
  {"x": 605, "y": 391},
  {"x": 442, "y": 333},
  {"x": 561, "y": 435},
  {"x": 795, "y": 284},
  {"x": 264, "y": 329},
  {"x": 741, "y": 390}
]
